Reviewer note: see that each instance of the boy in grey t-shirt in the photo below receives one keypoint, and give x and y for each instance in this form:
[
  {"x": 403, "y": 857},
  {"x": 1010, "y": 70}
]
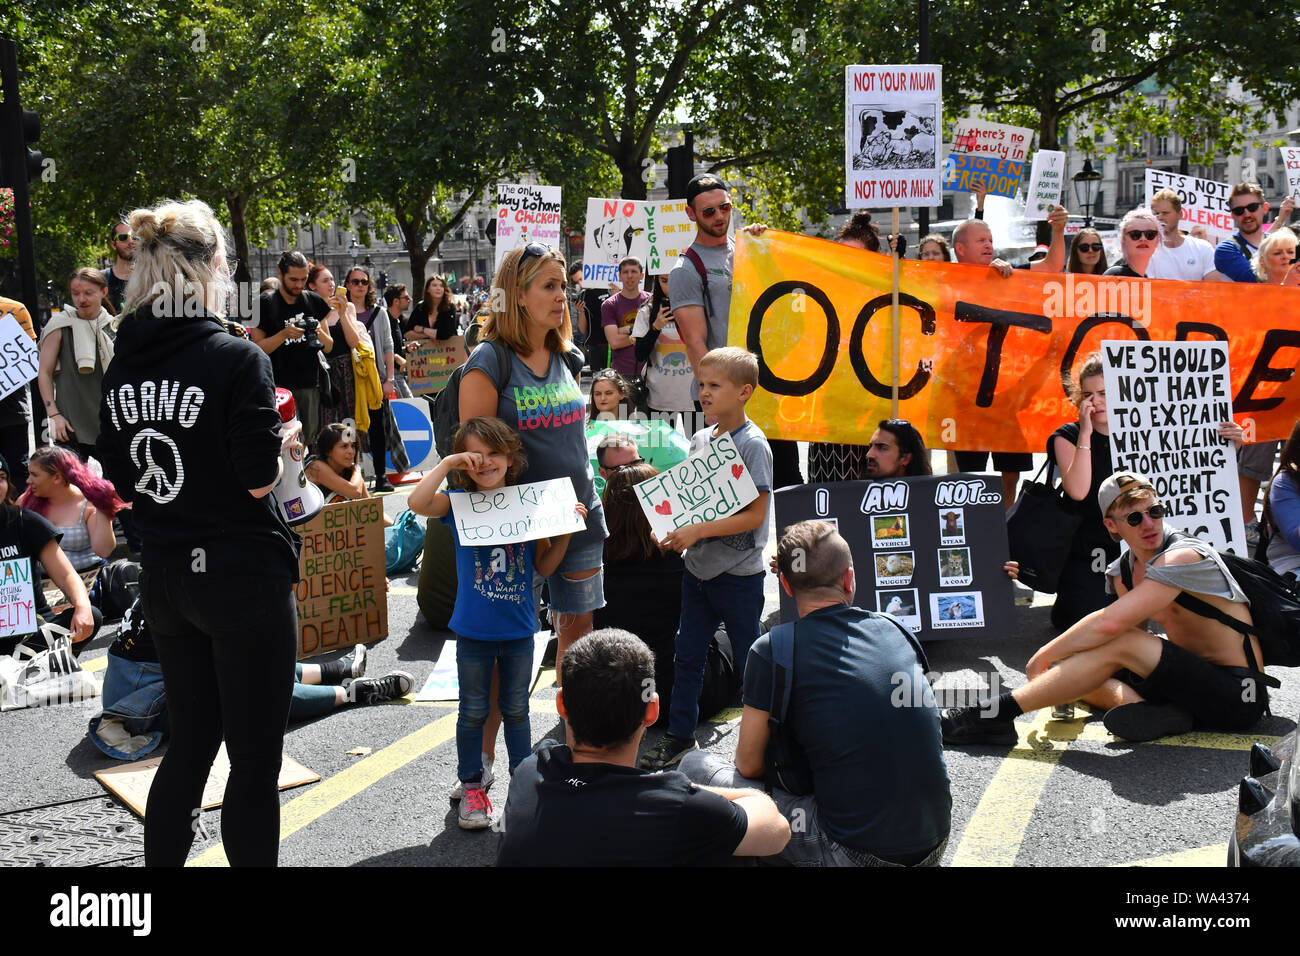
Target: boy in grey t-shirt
[{"x": 723, "y": 581}]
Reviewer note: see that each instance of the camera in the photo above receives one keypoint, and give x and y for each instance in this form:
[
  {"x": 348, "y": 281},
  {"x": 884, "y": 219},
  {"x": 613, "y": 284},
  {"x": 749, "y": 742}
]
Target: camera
[{"x": 308, "y": 325}]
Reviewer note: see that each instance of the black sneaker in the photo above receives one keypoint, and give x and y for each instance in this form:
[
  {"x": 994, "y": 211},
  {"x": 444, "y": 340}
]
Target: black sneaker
[
  {"x": 969, "y": 725},
  {"x": 380, "y": 690},
  {"x": 1146, "y": 721},
  {"x": 667, "y": 753},
  {"x": 382, "y": 485}
]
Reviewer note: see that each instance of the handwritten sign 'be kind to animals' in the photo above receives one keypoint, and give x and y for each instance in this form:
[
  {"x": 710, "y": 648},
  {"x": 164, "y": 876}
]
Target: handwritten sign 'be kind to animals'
[
  {"x": 542, "y": 509},
  {"x": 705, "y": 487}
]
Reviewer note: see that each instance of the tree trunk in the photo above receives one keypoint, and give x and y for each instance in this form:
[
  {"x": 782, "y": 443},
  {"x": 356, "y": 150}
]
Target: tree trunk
[
  {"x": 236, "y": 203},
  {"x": 632, "y": 168},
  {"x": 1049, "y": 121},
  {"x": 416, "y": 254}
]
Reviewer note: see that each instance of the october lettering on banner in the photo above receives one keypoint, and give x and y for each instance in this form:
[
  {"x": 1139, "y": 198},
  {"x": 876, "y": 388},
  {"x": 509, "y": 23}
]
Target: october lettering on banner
[
  {"x": 709, "y": 485},
  {"x": 982, "y": 357}
]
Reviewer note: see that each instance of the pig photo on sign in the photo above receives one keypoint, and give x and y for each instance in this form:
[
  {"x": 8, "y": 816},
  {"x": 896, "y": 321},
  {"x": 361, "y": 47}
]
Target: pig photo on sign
[{"x": 894, "y": 138}]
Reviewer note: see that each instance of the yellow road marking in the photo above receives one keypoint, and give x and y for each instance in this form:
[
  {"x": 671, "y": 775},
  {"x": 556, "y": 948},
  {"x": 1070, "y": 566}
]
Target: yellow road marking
[
  {"x": 1215, "y": 856},
  {"x": 997, "y": 827},
  {"x": 1096, "y": 733},
  {"x": 402, "y": 590},
  {"x": 95, "y": 663}
]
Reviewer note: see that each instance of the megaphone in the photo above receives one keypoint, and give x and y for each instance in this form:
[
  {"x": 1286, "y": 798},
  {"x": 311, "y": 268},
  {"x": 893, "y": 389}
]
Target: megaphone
[{"x": 297, "y": 498}]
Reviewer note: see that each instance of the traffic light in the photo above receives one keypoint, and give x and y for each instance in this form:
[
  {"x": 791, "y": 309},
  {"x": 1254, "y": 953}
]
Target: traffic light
[
  {"x": 18, "y": 127},
  {"x": 681, "y": 168}
]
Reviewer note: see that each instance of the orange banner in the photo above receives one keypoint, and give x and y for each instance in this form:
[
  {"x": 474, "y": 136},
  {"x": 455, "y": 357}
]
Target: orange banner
[{"x": 982, "y": 357}]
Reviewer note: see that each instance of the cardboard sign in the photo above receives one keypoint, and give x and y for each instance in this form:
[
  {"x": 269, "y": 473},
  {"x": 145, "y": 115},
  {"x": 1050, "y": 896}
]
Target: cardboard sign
[
  {"x": 1205, "y": 202},
  {"x": 131, "y": 782},
  {"x": 981, "y": 356},
  {"x": 1164, "y": 401},
  {"x": 342, "y": 595},
  {"x": 19, "y": 357},
  {"x": 709, "y": 485},
  {"x": 975, "y": 137},
  {"x": 1291, "y": 163},
  {"x": 429, "y": 367},
  {"x": 443, "y": 682},
  {"x": 893, "y": 119},
  {"x": 669, "y": 231},
  {"x": 1001, "y": 176},
  {"x": 17, "y": 597},
  {"x": 1046, "y": 180},
  {"x": 526, "y": 214},
  {"x": 541, "y": 509},
  {"x": 929, "y": 551}
]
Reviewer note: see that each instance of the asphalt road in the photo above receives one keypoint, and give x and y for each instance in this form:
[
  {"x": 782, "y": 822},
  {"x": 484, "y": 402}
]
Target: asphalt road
[{"x": 1068, "y": 794}]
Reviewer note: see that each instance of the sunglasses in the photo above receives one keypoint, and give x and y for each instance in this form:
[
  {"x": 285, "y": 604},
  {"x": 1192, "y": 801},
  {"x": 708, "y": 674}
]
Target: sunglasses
[
  {"x": 124, "y": 237},
  {"x": 1088, "y": 246},
  {"x": 708, "y": 211},
  {"x": 895, "y": 423},
  {"x": 358, "y": 282},
  {"x": 1249, "y": 207},
  {"x": 1136, "y": 234},
  {"x": 539, "y": 249},
  {"x": 1134, "y": 518}
]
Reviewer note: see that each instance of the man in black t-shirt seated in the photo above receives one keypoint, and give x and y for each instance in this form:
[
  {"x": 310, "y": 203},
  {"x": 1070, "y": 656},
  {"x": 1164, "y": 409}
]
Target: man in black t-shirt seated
[{"x": 586, "y": 804}]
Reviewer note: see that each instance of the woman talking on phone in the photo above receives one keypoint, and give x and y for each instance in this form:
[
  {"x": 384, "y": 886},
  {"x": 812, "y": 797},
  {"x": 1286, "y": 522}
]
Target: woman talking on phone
[{"x": 190, "y": 434}]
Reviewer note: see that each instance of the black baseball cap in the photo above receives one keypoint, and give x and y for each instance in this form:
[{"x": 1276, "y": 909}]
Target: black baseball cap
[{"x": 702, "y": 184}]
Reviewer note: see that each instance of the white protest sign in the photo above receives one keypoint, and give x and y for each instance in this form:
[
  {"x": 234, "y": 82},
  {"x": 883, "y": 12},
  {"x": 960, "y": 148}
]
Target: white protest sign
[
  {"x": 669, "y": 231},
  {"x": 893, "y": 117},
  {"x": 19, "y": 358},
  {"x": 616, "y": 229},
  {"x": 1291, "y": 162},
  {"x": 1164, "y": 402},
  {"x": 1205, "y": 202},
  {"x": 981, "y": 138},
  {"x": 1046, "y": 178},
  {"x": 513, "y": 513},
  {"x": 17, "y": 598},
  {"x": 526, "y": 214},
  {"x": 705, "y": 487}
]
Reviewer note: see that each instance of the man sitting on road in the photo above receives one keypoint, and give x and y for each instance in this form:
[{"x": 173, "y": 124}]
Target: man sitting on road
[
  {"x": 860, "y": 709},
  {"x": 586, "y": 804},
  {"x": 1199, "y": 676}
]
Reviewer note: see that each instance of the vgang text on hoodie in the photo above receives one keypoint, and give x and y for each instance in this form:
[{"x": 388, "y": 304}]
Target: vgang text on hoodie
[{"x": 154, "y": 402}]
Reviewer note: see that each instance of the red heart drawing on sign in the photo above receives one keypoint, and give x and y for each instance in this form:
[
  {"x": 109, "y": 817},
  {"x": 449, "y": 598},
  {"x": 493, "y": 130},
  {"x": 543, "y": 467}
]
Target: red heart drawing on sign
[
  {"x": 737, "y": 471},
  {"x": 664, "y": 508}
]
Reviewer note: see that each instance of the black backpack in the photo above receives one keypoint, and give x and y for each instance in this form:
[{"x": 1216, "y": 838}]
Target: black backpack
[
  {"x": 446, "y": 405},
  {"x": 1274, "y": 608}
]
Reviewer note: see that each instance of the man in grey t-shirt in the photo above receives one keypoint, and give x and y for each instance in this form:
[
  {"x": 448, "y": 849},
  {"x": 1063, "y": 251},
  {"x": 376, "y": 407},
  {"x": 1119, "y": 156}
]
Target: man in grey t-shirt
[{"x": 702, "y": 320}]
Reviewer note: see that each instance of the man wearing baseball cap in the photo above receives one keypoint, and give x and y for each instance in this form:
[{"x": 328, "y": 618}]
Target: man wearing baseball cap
[{"x": 1199, "y": 675}]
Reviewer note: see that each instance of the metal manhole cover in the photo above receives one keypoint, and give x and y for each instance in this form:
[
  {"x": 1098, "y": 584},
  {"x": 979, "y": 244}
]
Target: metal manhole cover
[{"x": 87, "y": 832}]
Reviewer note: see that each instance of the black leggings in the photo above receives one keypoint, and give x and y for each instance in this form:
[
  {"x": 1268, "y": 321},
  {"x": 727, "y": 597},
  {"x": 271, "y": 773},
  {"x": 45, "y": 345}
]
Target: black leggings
[
  {"x": 378, "y": 435},
  {"x": 227, "y": 645}
]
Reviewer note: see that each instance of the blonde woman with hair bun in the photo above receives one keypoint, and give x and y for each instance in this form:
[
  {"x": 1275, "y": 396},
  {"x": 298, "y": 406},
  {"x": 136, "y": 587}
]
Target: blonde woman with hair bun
[{"x": 191, "y": 436}]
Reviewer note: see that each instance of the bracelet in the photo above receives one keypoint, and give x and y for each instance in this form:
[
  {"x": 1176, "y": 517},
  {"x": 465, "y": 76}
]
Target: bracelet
[{"x": 1085, "y": 447}]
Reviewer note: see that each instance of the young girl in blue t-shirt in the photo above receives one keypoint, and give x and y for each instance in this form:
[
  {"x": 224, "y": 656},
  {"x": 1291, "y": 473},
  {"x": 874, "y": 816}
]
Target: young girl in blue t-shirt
[{"x": 494, "y": 618}]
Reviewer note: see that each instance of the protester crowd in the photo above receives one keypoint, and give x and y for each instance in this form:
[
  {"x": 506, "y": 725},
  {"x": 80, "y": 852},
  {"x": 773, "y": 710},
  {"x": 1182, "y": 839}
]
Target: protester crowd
[{"x": 651, "y": 632}]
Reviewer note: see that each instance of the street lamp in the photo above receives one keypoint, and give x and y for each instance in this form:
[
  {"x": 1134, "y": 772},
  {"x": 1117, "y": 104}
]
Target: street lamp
[{"x": 1085, "y": 188}]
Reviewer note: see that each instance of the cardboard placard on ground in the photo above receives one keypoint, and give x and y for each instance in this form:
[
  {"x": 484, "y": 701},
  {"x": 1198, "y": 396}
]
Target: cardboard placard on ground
[
  {"x": 1046, "y": 180},
  {"x": 1164, "y": 401},
  {"x": 1205, "y": 202},
  {"x": 130, "y": 783},
  {"x": 541, "y": 509},
  {"x": 429, "y": 366},
  {"x": 342, "y": 595},
  {"x": 443, "y": 682},
  {"x": 893, "y": 120},
  {"x": 1291, "y": 163},
  {"x": 711, "y": 484},
  {"x": 525, "y": 214},
  {"x": 929, "y": 551},
  {"x": 19, "y": 357}
]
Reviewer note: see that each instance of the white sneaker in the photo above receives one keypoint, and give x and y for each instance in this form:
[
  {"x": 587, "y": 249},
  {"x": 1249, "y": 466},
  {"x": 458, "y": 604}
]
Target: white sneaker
[
  {"x": 475, "y": 811},
  {"x": 458, "y": 791}
]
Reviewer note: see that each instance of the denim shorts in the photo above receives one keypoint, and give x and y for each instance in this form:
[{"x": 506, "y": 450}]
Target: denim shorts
[{"x": 568, "y": 596}]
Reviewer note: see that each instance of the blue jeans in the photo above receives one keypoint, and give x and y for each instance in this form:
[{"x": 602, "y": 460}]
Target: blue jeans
[
  {"x": 474, "y": 662},
  {"x": 735, "y": 601}
]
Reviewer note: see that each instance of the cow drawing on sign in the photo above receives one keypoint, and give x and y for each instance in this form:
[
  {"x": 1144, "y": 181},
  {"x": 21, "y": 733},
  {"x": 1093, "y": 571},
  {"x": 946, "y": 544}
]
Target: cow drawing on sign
[{"x": 894, "y": 139}]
